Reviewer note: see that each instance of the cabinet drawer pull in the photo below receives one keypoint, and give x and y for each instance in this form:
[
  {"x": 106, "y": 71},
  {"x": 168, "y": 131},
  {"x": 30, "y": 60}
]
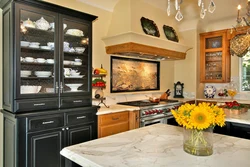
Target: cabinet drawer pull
[
  {"x": 48, "y": 122},
  {"x": 39, "y": 104},
  {"x": 115, "y": 118},
  {"x": 81, "y": 117},
  {"x": 77, "y": 101}
]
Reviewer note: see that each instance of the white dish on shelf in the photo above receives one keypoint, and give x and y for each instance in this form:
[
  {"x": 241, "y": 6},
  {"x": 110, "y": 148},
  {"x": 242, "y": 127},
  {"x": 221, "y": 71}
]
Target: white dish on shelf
[
  {"x": 43, "y": 74},
  {"x": 29, "y": 59},
  {"x": 78, "y": 76},
  {"x": 25, "y": 43},
  {"x": 40, "y": 60},
  {"x": 50, "y": 61},
  {"x": 26, "y": 89},
  {"x": 66, "y": 62},
  {"x": 73, "y": 87},
  {"x": 34, "y": 46},
  {"x": 209, "y": 91},
  {"x": 79, "y": 49},
  {"x": 75, "y": 32},
  {"x": 45, "y": 47},
  {"x": 77, "y": 63},
  {"x": 25, "y": 73}
]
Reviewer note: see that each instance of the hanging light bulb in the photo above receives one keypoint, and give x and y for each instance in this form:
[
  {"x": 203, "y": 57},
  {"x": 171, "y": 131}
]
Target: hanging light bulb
[
  {"x": 168, "y": 9},
  {"x": 203, "y": 11},
  {"x": 211, "y": 7}
]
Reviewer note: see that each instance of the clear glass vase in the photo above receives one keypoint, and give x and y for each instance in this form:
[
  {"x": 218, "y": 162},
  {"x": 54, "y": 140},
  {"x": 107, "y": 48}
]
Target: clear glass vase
[{"x": 198, "y": 142}]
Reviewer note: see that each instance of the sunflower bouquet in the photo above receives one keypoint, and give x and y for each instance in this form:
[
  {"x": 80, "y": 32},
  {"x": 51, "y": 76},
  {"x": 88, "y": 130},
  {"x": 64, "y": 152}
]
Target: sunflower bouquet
[
  {"x": 200, "y": 117},
  {"x": 198, "y": 121}
]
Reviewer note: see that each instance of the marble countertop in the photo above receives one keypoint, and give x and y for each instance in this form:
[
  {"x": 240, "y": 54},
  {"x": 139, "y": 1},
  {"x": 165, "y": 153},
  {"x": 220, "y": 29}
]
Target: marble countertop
[
  {"x": 159, "y": 145},
  {"x": 242, "y": 118}
]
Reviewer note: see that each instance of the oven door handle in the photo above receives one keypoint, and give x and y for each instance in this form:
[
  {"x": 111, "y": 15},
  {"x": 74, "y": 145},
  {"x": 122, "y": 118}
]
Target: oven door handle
[{"x": 157, "y": 119}]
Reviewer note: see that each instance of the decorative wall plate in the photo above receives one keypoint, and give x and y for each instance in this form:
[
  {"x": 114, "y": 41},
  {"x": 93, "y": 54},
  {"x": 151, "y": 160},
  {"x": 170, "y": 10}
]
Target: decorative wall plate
[
  {"x": 170, "y": 33},
  {"x": 209, "y": 91},
  {"x": 149, "y": 27}
]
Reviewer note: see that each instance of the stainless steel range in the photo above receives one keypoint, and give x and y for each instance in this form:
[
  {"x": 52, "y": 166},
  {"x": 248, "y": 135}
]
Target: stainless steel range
[{"x": 152, "y": 113}]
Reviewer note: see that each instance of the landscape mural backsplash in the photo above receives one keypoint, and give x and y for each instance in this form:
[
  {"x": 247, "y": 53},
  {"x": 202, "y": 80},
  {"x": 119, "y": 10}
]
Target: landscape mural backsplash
[{"x": 134, "y": 75}]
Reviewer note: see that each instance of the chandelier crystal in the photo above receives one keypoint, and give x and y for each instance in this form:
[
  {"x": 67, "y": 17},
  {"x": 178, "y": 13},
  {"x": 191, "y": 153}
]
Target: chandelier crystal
[{"x": 179, "y": 16}]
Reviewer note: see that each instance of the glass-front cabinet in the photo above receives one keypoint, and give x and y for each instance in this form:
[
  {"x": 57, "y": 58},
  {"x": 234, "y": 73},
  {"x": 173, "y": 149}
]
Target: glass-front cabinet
[
  {"x": 215, "y": 60},
  {"x": 52, "y": 59}
]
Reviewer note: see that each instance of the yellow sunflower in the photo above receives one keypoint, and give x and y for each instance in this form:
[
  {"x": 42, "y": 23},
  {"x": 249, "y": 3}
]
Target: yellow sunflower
[{"x": 200, "y": 118}]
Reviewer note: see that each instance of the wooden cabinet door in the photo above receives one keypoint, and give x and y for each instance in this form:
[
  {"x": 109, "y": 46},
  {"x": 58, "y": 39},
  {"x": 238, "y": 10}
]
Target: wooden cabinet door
[
  {"x": 215, "y": 60},
  {"x": 44, "y": 149},
  {"x": 113, "y": 129},
  {"x": 134, "y": 120},
  {"x": 75, "y": 135}
]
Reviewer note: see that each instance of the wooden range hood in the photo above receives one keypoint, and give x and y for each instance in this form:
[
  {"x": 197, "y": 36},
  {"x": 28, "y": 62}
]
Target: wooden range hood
[{"x": 144, "y": 46}]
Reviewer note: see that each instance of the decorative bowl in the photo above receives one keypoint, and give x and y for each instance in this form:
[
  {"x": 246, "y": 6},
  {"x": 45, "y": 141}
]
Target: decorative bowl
[
  {"x": 73, "y": 87},
  {"x": 74, "y": 73},
  {"x": 29, "y": 23},
  {"x": 30, "y": 89},
  {"x": 42, "y": 24},
  {"x": 79, "y": 49}
]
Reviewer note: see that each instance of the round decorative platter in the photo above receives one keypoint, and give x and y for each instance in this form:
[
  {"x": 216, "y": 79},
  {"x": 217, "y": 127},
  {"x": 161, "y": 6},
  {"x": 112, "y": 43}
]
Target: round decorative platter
[
  {"x": 209, "y": 91},
  {"x": 170, "y": 33},
  {"x": 149, "y": 27}
]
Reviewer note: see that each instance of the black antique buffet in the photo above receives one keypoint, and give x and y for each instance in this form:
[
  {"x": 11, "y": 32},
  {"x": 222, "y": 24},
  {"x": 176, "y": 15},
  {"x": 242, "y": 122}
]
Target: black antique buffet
[{"x": 47, "y": 73}]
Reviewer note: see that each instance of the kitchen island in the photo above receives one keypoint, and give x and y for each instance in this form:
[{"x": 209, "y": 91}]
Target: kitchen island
[{"x": 157, "y": 145}]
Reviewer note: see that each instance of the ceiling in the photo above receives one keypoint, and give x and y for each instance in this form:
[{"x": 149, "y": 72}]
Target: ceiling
[{"x": 225, "y": 9}]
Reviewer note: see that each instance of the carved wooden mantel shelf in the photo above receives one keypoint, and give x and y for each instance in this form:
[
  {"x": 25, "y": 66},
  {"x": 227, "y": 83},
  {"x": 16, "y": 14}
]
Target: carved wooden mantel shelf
[{"x": 145, "y": 46}]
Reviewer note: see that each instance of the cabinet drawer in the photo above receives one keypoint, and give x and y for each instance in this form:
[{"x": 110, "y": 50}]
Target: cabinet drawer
[
  {"x": 34, "y": 105},
  {"x": 80, "y": 118},
  {"x": 113, "y": 118},
  {"x": 45, "y": 122},
  {"x": 75, "y": 102},
  {"x": 113, "y": 129}
]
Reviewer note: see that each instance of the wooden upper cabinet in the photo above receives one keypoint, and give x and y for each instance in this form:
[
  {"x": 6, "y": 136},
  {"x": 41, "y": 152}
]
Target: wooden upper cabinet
[{"x": 215, "y": 59}]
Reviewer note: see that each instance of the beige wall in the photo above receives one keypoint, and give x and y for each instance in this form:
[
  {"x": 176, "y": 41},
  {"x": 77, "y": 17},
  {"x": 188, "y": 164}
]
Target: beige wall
[{"x": 185, "y": 71}]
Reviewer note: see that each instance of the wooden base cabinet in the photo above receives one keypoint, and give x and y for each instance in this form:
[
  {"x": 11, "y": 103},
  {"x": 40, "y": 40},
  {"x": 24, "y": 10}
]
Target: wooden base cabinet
[
  {"x": 110, "y": 124},
  {"x": 36, "y": 139}
]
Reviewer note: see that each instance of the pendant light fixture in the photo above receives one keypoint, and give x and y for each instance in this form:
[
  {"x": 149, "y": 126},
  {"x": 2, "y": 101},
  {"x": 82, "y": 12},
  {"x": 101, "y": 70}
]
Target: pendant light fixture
[{"x": 179, "y": 16}]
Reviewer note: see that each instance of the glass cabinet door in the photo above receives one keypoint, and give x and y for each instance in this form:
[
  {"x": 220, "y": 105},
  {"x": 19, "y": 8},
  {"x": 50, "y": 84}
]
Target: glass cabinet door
[
  {"x": 36, "y": 60},
  {"x": 213, "y": 62},
  {"x": 75, "y": 56}
]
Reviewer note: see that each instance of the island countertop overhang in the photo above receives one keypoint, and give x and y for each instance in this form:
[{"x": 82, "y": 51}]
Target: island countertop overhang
[{"x": 154, "y": 146}]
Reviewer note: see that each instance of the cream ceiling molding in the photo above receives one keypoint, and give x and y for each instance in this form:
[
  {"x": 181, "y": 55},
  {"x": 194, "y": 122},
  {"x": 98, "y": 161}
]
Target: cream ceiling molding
[{"x": 107, "y": 5}]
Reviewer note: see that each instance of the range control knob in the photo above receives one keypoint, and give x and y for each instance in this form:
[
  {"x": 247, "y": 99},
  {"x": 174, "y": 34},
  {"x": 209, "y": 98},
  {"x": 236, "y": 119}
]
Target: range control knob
[
  {"x": 153, "y": 111},
  {"x": 150, "y": 112},
  {"x": 168, "y": 110},
  {"x": 160, "y": 111},
  {"x": 157, "y": 111},
  {"x": 146, "y": 113}
]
